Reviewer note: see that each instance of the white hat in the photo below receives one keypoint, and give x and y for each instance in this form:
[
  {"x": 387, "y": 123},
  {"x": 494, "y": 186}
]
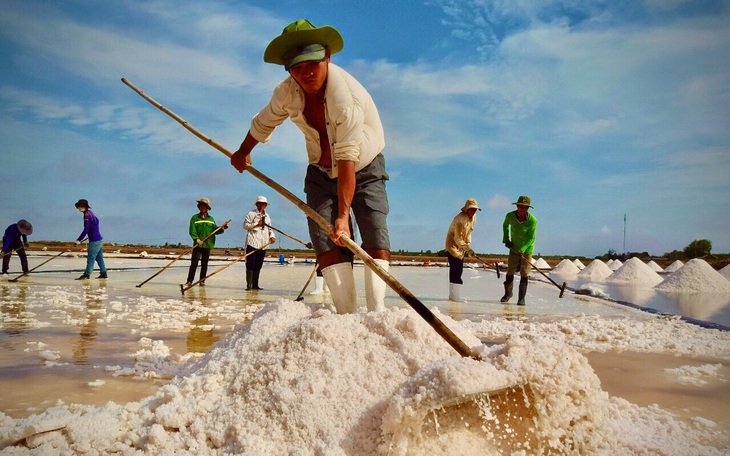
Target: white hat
[
  {"x": 205, "y": 201},
  {"x": 261, "y": 199}
]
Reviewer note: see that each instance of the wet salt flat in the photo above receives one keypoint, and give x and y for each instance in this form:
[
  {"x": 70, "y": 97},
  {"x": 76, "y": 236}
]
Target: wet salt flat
[{"x": 299, "y": 379}]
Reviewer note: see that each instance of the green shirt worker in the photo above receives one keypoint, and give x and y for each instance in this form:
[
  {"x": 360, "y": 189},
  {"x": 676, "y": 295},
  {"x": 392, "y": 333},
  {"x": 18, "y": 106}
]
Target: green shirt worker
[
  {"x": 518, "y": 234},
  {"x": 344, "y": 142},
  {"x": 201, "y": 225}
]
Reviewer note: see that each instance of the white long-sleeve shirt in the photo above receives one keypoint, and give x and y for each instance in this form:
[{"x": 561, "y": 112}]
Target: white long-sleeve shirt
[
  {"x": 257, "y": 236},
  {"x": 354, "y": 129}
]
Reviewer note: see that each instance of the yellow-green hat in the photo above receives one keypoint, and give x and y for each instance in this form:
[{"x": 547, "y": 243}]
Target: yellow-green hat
[
  {"x": 470, "y": 203},
  {"x": 523, "y": 200},
  {"x": 297, "y": 42}
]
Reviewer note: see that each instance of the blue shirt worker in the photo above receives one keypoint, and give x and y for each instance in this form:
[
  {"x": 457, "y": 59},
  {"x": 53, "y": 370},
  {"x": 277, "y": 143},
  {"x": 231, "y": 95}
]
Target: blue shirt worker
[
  {"x": 344, "y": 142},
  {"x": 95, "y": 251},
  {"x": 518, "y": 235},
  {"x": 201, "y": 225},
  {"x": 16, "y": 239}
]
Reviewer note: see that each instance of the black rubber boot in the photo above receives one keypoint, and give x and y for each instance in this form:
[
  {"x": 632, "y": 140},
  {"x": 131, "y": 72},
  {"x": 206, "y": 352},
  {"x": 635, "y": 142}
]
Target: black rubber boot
[
  {"x": 256, "y": 280},
  {"x": 83, "y": 277},
  {"x": 522, "y": 291},
  {"x": 249, "y": 279},
  {"x": 508, "y": 284},
  {"x": 103, "y": 276}
]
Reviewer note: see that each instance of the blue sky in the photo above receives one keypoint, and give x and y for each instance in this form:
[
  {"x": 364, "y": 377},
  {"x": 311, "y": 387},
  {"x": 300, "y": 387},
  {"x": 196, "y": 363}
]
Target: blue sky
[{"x": 595, "y": 109}]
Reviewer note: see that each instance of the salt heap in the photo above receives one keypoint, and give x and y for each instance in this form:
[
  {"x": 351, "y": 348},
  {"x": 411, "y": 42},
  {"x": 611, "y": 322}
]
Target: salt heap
[
  {"x": 725, "y": 272},
  {"x": 634, "y": 271},
  {"x": 541, "y": 264},
  {"x": 578, "y": 263},
  {"x": 565, "y": 268},
  {"x": 596, "y": 270},
  {"x": 614, "y": 264},
  {"x": 697, "y": 276},
  {"x": 674, "y": 266},
  {"x": 654, "y": 267}
]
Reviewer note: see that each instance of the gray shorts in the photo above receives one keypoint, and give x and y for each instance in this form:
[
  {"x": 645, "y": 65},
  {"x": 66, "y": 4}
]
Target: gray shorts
[
  {"x": 369, "y": 204},
  {"x": 515, "y": 263}
]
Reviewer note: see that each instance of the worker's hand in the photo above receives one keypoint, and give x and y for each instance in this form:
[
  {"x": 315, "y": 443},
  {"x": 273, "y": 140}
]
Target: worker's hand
[
  {"x": 224, "y": 226},
  {"x": 198, "y": 242},
  {"x": 272, "y": 240},
  {"x": 77, "y": 242},
  {"x": 342, "y": 226},
  {"x": 509, "y": 244},
  {"x": 469, "y": 253},
  {"x": 26, "y": 246},
  {"x": 309, "y": 245},
  {"x": 262, "y": 222},
  {"x": 240, "y": 160}
]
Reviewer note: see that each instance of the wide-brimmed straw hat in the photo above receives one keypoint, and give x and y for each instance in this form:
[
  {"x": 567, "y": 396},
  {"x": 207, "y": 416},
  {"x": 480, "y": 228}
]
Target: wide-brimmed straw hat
[
  {"x": 261, "y": 199},
  {"x": 205, "y": 201},
  {"x": 471, "y": 203},
  {"x": 83, "y": 203},
  {"x": 25, "y": 227},
  {"x": 523, "y": 200},
  {"x": 300, "y": 42}
]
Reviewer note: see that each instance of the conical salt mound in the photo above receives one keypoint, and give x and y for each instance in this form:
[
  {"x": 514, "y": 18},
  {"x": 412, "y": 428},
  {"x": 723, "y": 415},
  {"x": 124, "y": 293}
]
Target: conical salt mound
[
  {"x": 578, "y": 263},
  {"x": 542, "y": 264},
  {"x": 697, "y": 276},
  {"x": 614, "y": 265},
  {"x": 596, "y": 270},
  {"x": 674, "y": 266},
  {"x": 565, "y": 268},
  {"x": 725, "y": 272},
  {"x": 654, "y": 267},
  {"x": 634, "y": 271}
]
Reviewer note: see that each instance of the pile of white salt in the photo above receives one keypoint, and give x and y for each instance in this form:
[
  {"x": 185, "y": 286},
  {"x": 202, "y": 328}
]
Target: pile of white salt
[
  {"x": 596, "y": 270},
  {"x": 696, "y": 276},
  {"x": 654, "y": 266},
  {"x": 614, "y": 264},
  {"x": 725, "y": 272},
  {"x": 579, "y": 263},
  {"x": 540, "y": 263},
  {"x": 674, "y": 266},
  {"x": 634, "y": 271},
  {"x": 301, "y": 380},
  {"x": 565, "y": 268}
]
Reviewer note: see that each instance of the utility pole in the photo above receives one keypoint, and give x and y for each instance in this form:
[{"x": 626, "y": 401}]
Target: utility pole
[{"x": 624, "y": 234}]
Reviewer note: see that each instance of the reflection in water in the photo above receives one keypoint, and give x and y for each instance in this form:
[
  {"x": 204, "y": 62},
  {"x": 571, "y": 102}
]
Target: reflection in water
[
  {"x": 15, "y": 320},
  {"x": 201, "y": 337},
  {"x": 637, "y": 295},
  {"x": 701, "y": 306},
  {"x": 87, "y": 335},
  {"x": 513, "y": 311},
  {"x": 456, "y": 310}
]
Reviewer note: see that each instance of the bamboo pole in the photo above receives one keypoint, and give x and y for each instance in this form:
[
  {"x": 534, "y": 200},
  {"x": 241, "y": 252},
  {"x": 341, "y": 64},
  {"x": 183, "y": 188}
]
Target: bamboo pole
[
  {"x": 184, "y": 288},
  {"x": 26, "y": 273},
  {"x": 443, "y": 330}
]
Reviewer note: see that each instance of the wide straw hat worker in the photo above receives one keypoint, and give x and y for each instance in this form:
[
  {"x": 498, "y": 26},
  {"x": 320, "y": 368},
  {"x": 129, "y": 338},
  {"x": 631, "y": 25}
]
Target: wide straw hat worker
[
  {"x": 300, "y": 42},
  {"x": 25, "y": 227},
  {"x": 82, "y": 203},
  {"x": 261, "y": 199}
]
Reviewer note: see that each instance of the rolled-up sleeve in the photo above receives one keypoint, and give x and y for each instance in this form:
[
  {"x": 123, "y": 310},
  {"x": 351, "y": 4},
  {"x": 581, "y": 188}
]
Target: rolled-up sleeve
[{"x": 272, "y": 115}]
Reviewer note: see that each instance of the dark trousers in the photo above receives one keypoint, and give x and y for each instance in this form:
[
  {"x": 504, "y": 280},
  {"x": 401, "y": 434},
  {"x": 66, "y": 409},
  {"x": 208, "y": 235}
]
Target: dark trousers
[
  {"x": 21, "y": 254},
  {"x": 202, "y": 255},
  {"x": 456, "y": 268},
  {"x": 254, "y": 261}
]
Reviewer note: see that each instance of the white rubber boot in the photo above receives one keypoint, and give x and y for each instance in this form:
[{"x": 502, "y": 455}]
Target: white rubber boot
[
  {"x": 318, "y": 286},
  {"x": 455, "y": 292},
  {"x": 341, "y": 281},
  {"x": 375, "y": 288}
]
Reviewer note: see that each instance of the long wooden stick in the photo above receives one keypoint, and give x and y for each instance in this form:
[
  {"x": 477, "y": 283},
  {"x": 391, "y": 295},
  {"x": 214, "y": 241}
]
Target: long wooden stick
[
  {"x": 12, "y": 251},
  {"x": 311, "y": 276},
  {"x": 305, "y": 244},
  {"x": 184, "y": 253},
  {"x": 496, "y": 266},
  {"x": 560, "y": 287},
  {"x": 443, "y": 330},
  {"x": 26, "y": 273},
  {"x": 184, "y": 288}
]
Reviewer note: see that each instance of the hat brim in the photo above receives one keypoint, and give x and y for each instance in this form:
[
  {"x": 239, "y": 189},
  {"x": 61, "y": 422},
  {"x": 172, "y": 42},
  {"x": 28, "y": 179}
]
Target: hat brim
[
  {"x": 325, "y": 35},
  {"x": 519, "y": 204},
  {"x": 25, "y": 229}
]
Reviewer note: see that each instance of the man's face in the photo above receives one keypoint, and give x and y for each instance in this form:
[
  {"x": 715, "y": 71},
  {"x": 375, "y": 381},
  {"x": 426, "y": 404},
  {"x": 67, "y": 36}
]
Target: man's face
[
  {"x": 522, "y": 210},
  {"x": 310, "y": 75}
]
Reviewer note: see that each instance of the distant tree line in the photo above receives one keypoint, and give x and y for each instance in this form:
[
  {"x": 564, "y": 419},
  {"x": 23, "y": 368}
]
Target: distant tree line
[{"x": 698, "y": 248}]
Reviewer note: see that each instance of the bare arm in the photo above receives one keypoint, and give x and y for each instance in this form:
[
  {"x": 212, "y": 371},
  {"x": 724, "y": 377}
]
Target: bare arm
[
  {"x": 242, "y": 157},
  {"x": 345, "y": 193}
]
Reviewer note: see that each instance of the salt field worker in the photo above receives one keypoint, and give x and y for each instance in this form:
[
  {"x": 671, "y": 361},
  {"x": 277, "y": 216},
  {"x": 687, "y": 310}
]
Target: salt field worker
[
  {"x": 344, "y": 141},
  {"x": 458, "y": 245},
  {"x": 16, "y": 238},
  {"x": 95, "y": 251},
  {"x": 518, "y": 234},
  {"x": 201, "y": 225},
  {"x": 259, "y": 236}
]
